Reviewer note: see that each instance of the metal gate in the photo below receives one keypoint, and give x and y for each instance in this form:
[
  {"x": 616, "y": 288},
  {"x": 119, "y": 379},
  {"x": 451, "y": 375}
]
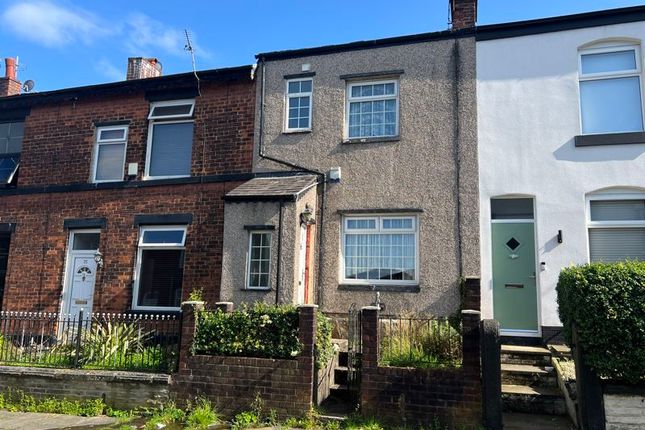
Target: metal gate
[{"x": 354, "y": 351}]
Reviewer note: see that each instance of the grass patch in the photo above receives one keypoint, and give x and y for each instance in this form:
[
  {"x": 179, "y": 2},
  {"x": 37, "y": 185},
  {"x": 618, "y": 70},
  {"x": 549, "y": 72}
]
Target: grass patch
[{"x": 19, "y": 401}]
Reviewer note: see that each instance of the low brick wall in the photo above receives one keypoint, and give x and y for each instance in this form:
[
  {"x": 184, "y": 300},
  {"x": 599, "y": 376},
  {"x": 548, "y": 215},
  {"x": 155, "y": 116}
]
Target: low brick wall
[
  {"x": 624, "y": 407},
  {"x": 416, "y": 397},
  {"x": 120, "y": 390},
  {"x": 232, "y": 383}
]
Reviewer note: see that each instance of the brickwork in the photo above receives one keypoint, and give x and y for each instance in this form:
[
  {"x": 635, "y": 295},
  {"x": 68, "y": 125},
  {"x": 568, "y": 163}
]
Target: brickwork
[
  {"x": 38, "y": 246},
  {"x": 120, "y": 390},
  {"x": 232, "y": 383},
  {"x": 59, "y": 138},
  {"x": 463, "y": 13},
  {"x": 418, "y": 396}
]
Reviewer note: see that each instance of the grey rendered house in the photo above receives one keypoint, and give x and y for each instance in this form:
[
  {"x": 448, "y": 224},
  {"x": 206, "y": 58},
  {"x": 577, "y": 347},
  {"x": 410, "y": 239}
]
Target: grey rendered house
[{"x": 386, "y": 130}]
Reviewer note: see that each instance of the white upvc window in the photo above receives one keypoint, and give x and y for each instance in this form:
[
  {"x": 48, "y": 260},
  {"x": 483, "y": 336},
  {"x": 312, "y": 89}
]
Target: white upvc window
[
  {"x": 616, "y": 227},
  {"x": 159, "y": 268},
  {"x": 170, "y": 139},
  {"x": 299, "y": 104},
  {"x": 372, "y": 109},
  {"x": 109, "y": 154},
  {"x": 380, "y": 249},
  {"x": 611, "y": 89},
  {"x": 258, "y": 266}
]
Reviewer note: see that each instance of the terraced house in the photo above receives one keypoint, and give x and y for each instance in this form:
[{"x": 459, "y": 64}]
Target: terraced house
[
  {"x": 387, "y": 130},
  {"x": 111, "y": 195}
]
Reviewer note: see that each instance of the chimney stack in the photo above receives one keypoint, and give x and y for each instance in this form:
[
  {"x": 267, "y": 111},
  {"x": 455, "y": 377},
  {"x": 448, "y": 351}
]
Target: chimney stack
[
  {"x": 9, "y": 85},
  {"x": 463, "y": 14},
  {"x": 142, "y": 68}
]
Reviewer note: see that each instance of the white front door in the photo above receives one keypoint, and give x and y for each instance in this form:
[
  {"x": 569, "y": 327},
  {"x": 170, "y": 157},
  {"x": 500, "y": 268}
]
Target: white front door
[
  {"x": 78, "y": 292},
  {"x": 302, "y": 265}
]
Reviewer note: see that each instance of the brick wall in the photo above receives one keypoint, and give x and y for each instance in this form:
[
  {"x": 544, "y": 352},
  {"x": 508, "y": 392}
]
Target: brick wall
[
  {"x": 59, "y": 138},
  {"x": 232, "y": 383},
  {"x": 38, "y": 245},
  {"x": 120, "y": 390},
  {"x": 416, "y": 397}
]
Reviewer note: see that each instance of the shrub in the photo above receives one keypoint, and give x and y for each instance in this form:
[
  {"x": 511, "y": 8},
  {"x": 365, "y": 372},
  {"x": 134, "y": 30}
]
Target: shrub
[
  {"x": 260, "y": 331},
  {"x": 324, "y": 346},
  {"x": 607, "y": 304}
]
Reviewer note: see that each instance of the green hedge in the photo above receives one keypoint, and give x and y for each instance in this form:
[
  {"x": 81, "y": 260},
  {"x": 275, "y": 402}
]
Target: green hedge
[
  {"x": 259, "y": 331},
  {"x": 324, "y": 347},
  {"x": 607, "y": 304}
]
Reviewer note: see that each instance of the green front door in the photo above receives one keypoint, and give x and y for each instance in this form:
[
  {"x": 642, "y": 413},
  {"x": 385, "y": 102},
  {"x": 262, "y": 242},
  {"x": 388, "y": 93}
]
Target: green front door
[{"x": 514, "y": 281}]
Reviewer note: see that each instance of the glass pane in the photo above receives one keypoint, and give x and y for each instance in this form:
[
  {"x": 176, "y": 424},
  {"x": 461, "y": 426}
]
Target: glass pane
[
  {"x": 305, "y": 86},
  {"x": 618, "y": 210},
  {"x": 160, "y": 111},
  {"x": 110, "y": 162},
  {"x": 160, "y": 277},
  {"x": 172, "y": 146},
  {"x": 163, "y": 236},
  {"x": 397, "y": 223},
  {"x": 354, "y": 224},
  {"x": 293, "y": 123},
  {"x": 8, "y": 167},
  {"x": 389, "y": 88},
  {"x": 115, "y": 134},
  {"x": 11, "y": 134},
  {"x": 616, "y": 244},
  {"x": 294, "y": 87},
  {"x": 611, "y": 105},
  {"x": 14, "y": 145},
  {"x": 608, "y": 62},
  {"x": 4, "y": 129},
  {"x": 511, "y": 208},
  {"x": 86, "y": 241}
]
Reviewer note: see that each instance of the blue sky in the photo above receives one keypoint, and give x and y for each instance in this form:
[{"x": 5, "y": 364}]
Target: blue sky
[{"x": 64, "y": 43}]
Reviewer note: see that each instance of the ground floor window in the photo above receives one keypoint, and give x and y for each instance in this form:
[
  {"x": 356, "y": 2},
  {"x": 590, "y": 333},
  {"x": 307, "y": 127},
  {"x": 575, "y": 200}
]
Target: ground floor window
[
  {"x": 616, "y": 230},
  {"x": 160, "y": 263},
  {"x": 259, "y": 260},
  {"x": 380, "y": 249}
]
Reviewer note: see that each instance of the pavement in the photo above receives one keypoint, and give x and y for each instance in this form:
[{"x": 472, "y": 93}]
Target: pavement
[
  {"x": 516, "y": 421},
  {"x": 34, "y": 421}
]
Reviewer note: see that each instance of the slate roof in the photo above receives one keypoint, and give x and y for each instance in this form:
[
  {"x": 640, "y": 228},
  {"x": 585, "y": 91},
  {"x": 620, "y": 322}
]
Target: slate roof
[{"x": 286, "y": 188}]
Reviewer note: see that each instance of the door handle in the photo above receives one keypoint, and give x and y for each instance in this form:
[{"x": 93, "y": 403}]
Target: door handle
[{"x": 532, "y": 276}]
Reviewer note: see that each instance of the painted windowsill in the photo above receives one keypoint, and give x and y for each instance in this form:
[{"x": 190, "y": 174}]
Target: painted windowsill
[
  {"x": 305, "y": 131},
  {"x": 371, "y": 140},
  {"x": 412, "y": 288},
  {"x": 257, "y": 290},
  {"x": 630, "y": 138}
]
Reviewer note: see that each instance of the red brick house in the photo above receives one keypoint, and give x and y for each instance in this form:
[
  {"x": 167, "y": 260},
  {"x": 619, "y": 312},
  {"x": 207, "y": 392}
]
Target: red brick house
[{"x": 111, "y": 196}]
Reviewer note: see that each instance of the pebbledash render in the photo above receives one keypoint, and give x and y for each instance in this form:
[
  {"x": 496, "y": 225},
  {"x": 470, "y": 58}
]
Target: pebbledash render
[
  {"x": 387, "y": 128},
  {"x": 111, "y": 196}
]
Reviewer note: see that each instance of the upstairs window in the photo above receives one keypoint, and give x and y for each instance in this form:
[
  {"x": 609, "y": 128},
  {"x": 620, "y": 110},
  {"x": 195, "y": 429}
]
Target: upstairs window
[
  {"x": 170, "y": 139},
  {"x": 372, "y": 109},
  {"x": 11, "y": 134},
  {"x": 109, "y": 159},
  {"x": 160, "y": 268},
  {"x": 617, "y": 230},
  {"x": 299, "y": 105},
  {"x": 610, "y": 90}
]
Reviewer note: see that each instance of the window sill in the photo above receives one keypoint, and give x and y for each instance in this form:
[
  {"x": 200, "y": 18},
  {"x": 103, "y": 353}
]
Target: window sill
[
  {"x": 630, "y": 138},
  {"x": 297, "y": 131},
  {"x": 412, "y": 288},
  {"x": 256, "y": 290},
  {"x": 371, "y": 140}
]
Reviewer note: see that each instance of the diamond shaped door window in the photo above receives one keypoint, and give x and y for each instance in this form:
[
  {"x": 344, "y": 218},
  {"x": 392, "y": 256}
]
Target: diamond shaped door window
[{"x": 513, "y": 244}]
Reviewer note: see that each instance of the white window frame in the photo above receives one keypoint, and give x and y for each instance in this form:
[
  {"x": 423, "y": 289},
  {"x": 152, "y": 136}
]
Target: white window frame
[
  {"x": 137, "y": 269},
  {"x": 288, "y": 97},
  {"x": 349, "y": 99},
  {"x": 154, "y": 105},
  {"x": 149, "y": 150},
  {"x": 610, "y": 224},
  {"x": 248, "y": 260},
  {"x": 610, "y": 75},
  {"x": 100, "y": 142},
  {"x": 379, "y": 229}
]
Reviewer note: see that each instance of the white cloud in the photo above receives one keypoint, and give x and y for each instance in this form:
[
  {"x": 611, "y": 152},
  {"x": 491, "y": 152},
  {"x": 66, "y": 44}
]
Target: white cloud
[
  {"x": 147, "y": 37},
  {"x": 109, "y": 70},
  {"x": 51, "y": 25}
]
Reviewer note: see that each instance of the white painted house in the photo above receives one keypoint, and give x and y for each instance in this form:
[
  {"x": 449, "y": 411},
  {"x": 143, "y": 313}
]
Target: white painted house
[{"x": 561, "y": 156}]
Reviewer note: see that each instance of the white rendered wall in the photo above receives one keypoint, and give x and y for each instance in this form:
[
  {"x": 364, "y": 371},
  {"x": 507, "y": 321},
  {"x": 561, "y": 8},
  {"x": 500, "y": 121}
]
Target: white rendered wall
[{"x": 528, "y": 115}]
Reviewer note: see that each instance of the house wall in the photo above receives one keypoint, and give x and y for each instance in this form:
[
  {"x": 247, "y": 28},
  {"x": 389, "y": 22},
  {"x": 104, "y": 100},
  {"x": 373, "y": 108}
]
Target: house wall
[
  {"x": 420, "y": 171},
  {"x": 527, "y": 117},
  {"x": 236, "y": 247}
]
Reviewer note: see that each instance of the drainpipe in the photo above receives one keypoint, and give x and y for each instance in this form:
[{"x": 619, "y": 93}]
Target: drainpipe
[
  {"x": 457, "y": 157},
  {"x": 278, "y": 280},
  {"x": 322, "y": 178}
]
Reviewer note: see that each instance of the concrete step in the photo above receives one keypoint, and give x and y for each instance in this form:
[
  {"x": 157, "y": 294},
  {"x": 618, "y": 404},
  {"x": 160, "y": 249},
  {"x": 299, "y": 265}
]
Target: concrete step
[
  {"x": 340, "y": 375},
  {"x": 531, "y": 355},
  {"x": 530, "y": 375},
  {"x": 534, "y": 400},
  {"x": 343, "y": 358}
]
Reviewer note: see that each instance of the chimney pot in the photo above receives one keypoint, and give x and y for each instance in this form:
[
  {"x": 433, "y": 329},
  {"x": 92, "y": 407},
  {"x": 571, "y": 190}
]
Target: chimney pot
[
  {"x": 463, "y": 13},
  {"x": 141, "y": 68},
  {"x": 9, "y": 85}
]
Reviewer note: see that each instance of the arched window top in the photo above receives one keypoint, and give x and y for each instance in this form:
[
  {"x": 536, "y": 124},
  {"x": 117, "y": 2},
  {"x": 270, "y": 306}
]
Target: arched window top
[
  {"x": 610, "y": 42},
  {"x": 616, "y": 191}
]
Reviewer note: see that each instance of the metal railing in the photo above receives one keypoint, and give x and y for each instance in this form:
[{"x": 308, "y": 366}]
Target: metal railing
[
  {"x": 420, "y": 342},
  {"x": 130, "y": 342}
]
